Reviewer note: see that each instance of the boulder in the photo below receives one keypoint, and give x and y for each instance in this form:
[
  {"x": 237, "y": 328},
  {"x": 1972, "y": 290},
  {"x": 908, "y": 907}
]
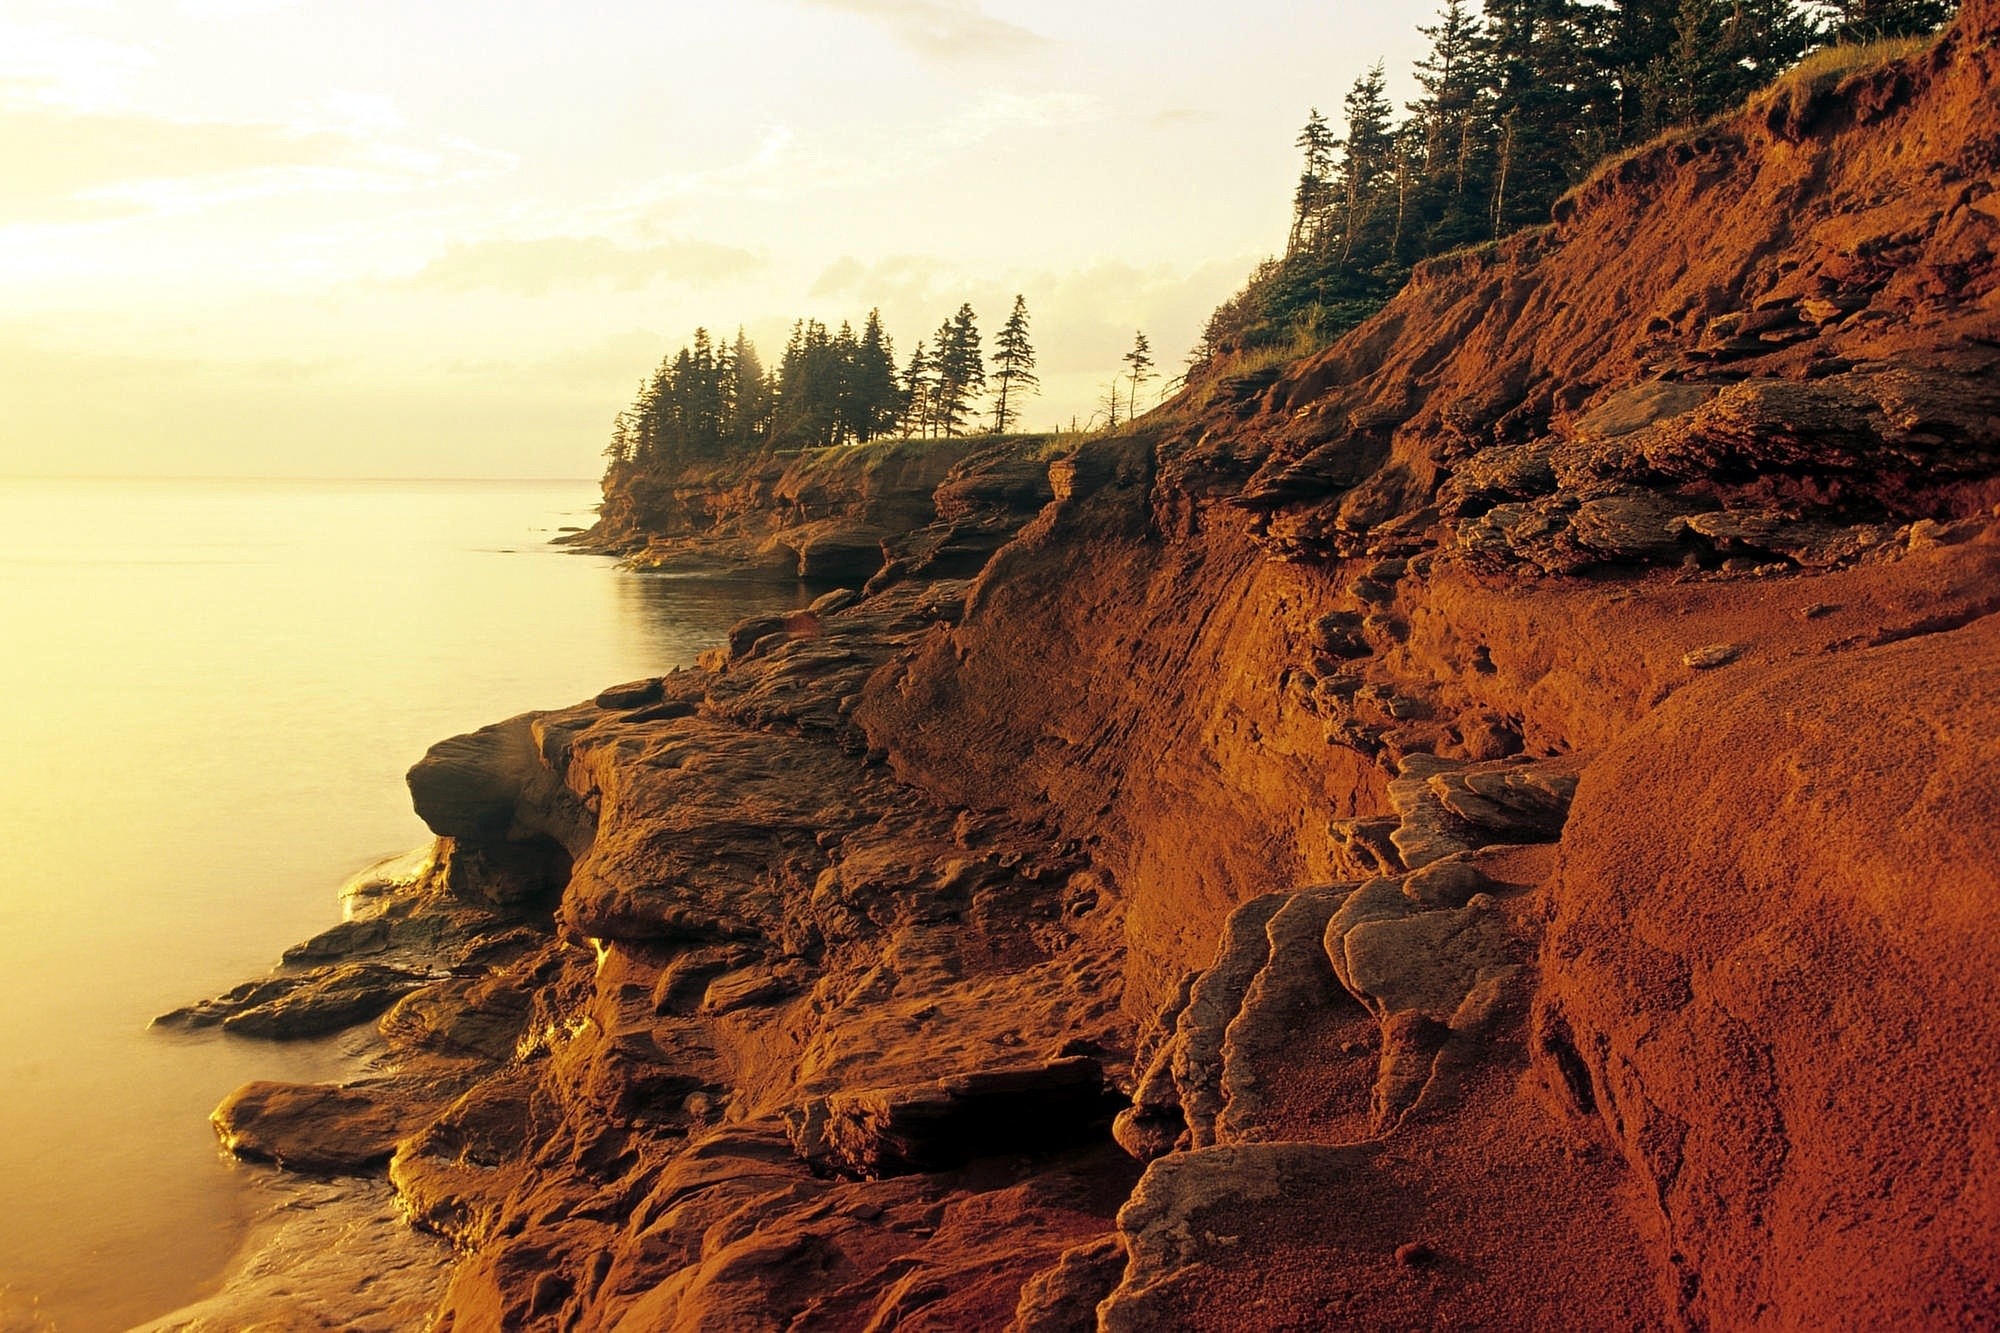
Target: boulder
[{"x": 328, "y": 1129}]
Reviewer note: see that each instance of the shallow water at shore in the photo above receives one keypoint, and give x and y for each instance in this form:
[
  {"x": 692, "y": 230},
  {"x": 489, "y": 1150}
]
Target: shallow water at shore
[{"x": 212, "y": 690}]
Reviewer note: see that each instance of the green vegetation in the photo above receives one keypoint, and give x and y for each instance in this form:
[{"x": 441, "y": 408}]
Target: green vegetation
[
  {"x": 1013, "y": 368},
  {"x": 1516, "y": 105},
  {"x": 712, "y": 401}
]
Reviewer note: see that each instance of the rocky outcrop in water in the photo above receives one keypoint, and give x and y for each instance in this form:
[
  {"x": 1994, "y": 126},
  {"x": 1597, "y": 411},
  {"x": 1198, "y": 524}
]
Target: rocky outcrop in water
[
  {"x": 939, "y": 507},
  {"x": 1488, "y": 825}
]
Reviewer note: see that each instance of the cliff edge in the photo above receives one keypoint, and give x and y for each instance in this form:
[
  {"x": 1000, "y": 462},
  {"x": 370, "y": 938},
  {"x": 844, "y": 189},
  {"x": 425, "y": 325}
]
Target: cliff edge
[{"x": 1490, "y": 824}]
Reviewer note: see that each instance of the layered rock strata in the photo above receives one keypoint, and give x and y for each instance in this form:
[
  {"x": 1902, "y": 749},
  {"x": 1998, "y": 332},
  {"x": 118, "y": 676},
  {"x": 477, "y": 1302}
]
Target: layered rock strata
[{"x": 1491, "y": 824}]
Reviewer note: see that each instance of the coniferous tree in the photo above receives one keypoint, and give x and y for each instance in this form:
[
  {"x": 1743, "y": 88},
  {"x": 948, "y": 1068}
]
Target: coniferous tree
[
  {"x": 843, "y": 357},
  {"x": 749, "y": 396},
  {"x": 1013, "y": 367},
  {"x": 1451, "y": 123},
  {"x": 1859, "y": 21},
  {"x": 1315, "y": 191},
  {"x": 1365, "y": 160},
  {"x": 623, "y": 441},
  {"x": 961, "y": 371},
  {"x": 919, "y": 392},
  {"x": 877, "y": 402},
  {"x": 1139, "y": 368},
  {"x": 1517, "y": 103}
]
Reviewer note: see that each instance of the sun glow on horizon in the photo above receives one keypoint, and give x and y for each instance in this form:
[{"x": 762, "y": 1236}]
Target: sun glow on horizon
[{"x": 284, "y": 237}]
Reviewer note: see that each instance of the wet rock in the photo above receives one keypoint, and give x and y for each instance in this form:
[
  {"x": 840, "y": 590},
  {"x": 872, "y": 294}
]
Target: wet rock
[
  {"x": 829, "y": 602},
  {"x": 750, "y": 632},
  {"x": 365, "y": 936},
  {"x": 328, "y": 1129},
  {"x": 468, "y": 786},
  {"x": 306, "y": 1004},
  {"x": 636, "y": 694},
  {"x": 479, "y": 1017},
  {"x": 310, "y": 1236}
]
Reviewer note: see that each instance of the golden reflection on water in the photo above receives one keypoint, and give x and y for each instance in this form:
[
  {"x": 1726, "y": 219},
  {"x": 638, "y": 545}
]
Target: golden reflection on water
[{"x": 210, "y": 692}]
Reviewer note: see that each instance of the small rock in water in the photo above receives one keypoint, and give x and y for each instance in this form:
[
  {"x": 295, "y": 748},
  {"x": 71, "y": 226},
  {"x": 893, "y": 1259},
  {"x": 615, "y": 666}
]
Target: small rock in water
[{"x": 1714, "y": 655}]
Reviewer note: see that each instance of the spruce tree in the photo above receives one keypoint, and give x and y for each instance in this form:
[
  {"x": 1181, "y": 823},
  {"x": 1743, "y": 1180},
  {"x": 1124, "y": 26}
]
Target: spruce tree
[
  {"x": 1315, "y": 191},
  {"x": 919, "y": 392},
  {"x": 1013, "y": 366},
  {"x": 1538, "y": 53},
  {"x": 1365, "y": 161},
  {"x": 1860, "y": 21},
  {"x": 1451, "y": 125},
  {"x": 749, "y": 396},
  {"x": 1139, "y": 368},
  {"x": 961, "y": 370},
  {"x": 873, "y": 381}
]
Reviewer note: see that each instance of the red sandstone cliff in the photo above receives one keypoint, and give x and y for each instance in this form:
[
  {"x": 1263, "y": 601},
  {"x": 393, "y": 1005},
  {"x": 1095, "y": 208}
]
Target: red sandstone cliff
[{"x": 1493, "y": 824}]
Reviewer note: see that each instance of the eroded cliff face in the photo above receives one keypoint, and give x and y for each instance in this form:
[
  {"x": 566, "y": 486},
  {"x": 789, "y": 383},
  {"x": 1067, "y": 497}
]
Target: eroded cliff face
[
  {"x": 829, "y": 515},
  {"x": 1492, "y": 824}
]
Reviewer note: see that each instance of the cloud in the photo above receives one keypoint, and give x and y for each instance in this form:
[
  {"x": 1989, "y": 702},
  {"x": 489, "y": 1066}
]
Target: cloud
[
  {"x": 58, "y": 67},
  {"x": 945, "y": 29},
  {"x": 1177, "y": 117},
  {"x": 67, "y": 165},
  {"x": 606, "y": 367},
  {"x": 60, "y": 163},
  {"x": 207, "y": 10},
  {"x": 905, "y": 281},
  {"x": 540, "y": 265}
]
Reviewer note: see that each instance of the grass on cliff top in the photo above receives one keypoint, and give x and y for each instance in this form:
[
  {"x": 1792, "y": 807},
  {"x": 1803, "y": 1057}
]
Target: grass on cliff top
[
  {"x": 1818, "y": 72},
  {"x": 1828, "y": 66}
]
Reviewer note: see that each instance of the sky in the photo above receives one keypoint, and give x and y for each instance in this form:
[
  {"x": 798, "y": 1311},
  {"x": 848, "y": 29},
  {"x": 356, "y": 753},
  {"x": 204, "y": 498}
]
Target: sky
[{"x": 437, "y": 238}]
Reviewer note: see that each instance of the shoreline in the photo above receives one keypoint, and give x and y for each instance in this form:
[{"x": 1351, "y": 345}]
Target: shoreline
[
  {"x": 1382, "y": 839},
  {"x": 300, "y": 1257}
]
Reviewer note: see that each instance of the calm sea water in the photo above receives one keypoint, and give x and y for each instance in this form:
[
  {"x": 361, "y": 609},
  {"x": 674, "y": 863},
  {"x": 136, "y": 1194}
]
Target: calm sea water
[{"x": 211, "y": 691}]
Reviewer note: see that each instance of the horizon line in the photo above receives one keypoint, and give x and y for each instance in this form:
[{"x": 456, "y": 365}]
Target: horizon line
[{"x": 251, "y": 476}]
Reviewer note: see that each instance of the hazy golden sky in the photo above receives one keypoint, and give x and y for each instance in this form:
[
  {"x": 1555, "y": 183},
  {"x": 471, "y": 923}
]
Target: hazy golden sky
[{"x": 445, "y": 238}]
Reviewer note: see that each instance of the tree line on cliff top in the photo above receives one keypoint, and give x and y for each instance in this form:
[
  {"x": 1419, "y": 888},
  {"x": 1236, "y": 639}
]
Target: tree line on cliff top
[
  {"x": 715, "y": 400},
  {"x": 1516, "y": 103}
]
